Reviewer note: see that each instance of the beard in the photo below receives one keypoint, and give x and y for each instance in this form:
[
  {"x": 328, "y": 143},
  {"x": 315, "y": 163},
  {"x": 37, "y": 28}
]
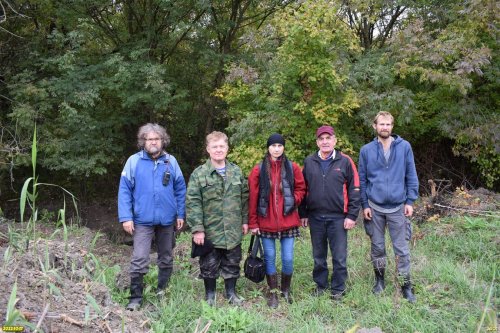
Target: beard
[
  {"x": 153, "y": 150},
  {"x": 384, "y": 134}
]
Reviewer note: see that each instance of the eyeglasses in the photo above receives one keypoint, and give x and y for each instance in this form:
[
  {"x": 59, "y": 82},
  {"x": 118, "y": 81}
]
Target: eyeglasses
[{"x": 153, "y": 139}]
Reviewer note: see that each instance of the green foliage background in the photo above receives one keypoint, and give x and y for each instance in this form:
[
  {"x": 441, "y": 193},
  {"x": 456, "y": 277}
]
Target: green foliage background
[{"x": 88, "y": 73}]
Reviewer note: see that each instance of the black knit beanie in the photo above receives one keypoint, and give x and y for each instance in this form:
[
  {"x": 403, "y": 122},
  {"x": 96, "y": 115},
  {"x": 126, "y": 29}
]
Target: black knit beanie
[{"x": 275, "y": 138}]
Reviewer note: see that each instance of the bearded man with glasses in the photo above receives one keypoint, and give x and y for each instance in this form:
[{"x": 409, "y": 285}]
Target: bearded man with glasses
[{"x": 151, "y": 203}]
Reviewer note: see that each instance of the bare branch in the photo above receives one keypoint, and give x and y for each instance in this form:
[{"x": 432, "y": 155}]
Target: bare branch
[
  {"x": 4, "y": 13},
  {"x": 13, "y": 34},
  {"x": 12, "y": 8}
]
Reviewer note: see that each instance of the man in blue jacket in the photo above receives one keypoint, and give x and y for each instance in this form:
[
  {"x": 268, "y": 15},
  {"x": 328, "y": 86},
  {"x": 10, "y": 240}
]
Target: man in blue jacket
[
  {"x": 389, "y": 186},
  {"x": 151, "y": 203},
  {"x": 330, "y": 209}
]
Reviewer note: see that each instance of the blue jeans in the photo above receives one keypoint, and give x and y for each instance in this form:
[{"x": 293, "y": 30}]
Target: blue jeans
[
  {"x": 269, "y": 246},
  {"x": 329, "y": 232}
]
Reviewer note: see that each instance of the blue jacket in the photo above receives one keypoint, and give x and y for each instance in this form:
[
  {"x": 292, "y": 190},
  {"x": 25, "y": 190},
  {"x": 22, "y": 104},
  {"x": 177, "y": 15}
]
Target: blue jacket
[
  {"x": 387, "y": 184},
  {"x": 143, "y": 198}
]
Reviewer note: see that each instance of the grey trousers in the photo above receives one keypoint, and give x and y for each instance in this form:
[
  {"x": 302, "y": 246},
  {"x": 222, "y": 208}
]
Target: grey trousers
[
  {"x": 399, "y": 230},
  {"x": 143, "y": 237}
]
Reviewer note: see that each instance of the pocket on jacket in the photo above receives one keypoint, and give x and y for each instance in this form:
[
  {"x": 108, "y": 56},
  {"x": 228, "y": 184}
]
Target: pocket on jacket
[
  {"x": 368, "y": 227},
  {"x": 209, "y": 192}
]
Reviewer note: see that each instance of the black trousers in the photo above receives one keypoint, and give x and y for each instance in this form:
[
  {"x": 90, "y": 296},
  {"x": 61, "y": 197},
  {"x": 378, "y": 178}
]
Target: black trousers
[
  {"x": 221, "y": 262},
  {"x": 327, "y": 232}
]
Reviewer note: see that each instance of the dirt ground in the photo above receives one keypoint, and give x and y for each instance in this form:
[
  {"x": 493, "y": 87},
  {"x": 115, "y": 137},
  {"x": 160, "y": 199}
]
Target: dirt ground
[{"x": 63, "y": 285}]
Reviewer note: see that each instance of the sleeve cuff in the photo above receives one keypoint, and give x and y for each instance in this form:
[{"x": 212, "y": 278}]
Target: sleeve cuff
[
  {"x": 196, "y": 229},
  {"x": 352, "y": 217}
]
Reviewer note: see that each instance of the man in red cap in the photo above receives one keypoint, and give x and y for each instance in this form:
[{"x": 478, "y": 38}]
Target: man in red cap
[{"x": 330, "y": 209}]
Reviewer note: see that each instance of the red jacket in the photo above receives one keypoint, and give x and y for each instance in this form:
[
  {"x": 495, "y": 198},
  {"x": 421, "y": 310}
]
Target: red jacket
[{"x": 274, "y": 221}]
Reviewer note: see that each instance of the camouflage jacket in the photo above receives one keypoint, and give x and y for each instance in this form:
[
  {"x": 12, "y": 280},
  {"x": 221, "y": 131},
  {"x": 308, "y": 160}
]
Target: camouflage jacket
[{"x": 217, "y": 207}]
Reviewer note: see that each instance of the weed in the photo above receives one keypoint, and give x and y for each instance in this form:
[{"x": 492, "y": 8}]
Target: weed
[
  {"x": 15, "y": 238},
  {"x": 227, "y": 319},
  {"x": 93, "y": 303},
  {"x": 97, "y": 235},
  {"x": 13, "y": 317},
  {"x": 474, "y": 223},
  {"x": 30, "y": 197},
  {"x": 7, "y": 258}
]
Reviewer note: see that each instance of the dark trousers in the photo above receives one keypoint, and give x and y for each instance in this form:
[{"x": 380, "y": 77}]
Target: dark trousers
[
  {"x": 225, "y": 263},
  {"x": 143, "y": 237},
  {"x": 329, "y": 232}
]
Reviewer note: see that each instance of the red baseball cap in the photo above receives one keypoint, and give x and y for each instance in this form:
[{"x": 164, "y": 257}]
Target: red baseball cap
[{"x": 325, "y": 129}]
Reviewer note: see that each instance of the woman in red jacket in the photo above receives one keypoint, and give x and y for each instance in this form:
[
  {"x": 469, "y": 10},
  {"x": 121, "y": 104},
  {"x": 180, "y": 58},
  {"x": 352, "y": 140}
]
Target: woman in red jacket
[{"x": 276, "y": 189}]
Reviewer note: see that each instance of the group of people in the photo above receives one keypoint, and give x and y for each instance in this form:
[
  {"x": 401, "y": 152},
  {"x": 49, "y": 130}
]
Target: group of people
[{"x": 220, "y": 205}]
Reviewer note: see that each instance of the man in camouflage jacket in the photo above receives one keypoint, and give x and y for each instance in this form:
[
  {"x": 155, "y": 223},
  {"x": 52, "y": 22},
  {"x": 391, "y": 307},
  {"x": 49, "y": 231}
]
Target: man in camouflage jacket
[{"x": 217, "y": 210}]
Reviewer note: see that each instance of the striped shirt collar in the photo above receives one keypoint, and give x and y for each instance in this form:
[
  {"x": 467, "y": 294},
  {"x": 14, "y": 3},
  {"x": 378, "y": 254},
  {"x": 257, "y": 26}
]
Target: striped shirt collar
[{"x": 332, "y": 156}]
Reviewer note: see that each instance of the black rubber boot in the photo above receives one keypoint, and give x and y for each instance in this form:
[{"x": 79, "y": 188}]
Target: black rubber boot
[
  {"x": 230, "y": 285},
  {"x": 210, "y": 285},
  {"x": 163, "y": 278},
  {"x": 379, "y": 285},
  {"x": 136, "y": 288},
  {"x": 272, "y": 297},
  {"x": 407, "y": 291},
  {"x": 286, "y": 281}
]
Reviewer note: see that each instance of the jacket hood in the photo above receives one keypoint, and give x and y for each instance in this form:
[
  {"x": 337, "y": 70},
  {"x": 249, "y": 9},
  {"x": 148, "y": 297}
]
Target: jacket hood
[{"x": 397, "y": 139}]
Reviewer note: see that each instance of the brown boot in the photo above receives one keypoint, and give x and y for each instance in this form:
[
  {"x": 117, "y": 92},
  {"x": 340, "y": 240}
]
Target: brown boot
[
  {"x": 272, "y": 298},
  {"x": 286, "y": 281}
]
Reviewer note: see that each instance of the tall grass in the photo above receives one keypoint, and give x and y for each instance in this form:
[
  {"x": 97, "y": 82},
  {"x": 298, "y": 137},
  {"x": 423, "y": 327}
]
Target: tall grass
[
  {"x": 455, "y": 292},
  {"x": 13, "y": 316},
  {"x": 30, "y": 196}
]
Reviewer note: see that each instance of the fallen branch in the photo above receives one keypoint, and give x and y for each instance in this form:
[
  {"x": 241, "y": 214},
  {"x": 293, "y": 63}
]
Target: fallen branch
[
  {"x": 207, "y": 326},
  {"x": 106, "y": 315},
  {"x": 42, "y": 317},
  {"x": 107, "y": 326},
  {"x": 70, "y": 320},
  {"x": 144, "y": 323},
  {"x": 471, "y": 211},
  {"x": 204, "y": 329}
]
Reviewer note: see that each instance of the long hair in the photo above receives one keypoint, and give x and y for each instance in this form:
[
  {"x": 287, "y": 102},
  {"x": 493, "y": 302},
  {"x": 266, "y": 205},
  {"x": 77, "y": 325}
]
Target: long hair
[{"x": 148, "y": 128}]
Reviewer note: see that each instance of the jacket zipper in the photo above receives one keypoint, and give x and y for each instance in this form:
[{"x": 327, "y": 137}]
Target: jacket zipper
[{"x": 276, "y": 197}]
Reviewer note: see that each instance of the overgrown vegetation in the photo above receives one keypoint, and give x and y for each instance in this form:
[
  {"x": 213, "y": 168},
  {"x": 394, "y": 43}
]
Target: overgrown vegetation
[
  {"x": 454, "y": 269},
  {"x": 455, "y": 281},
  {"x": 89, "y": 73},
  {"x": 80, "y": 276}
]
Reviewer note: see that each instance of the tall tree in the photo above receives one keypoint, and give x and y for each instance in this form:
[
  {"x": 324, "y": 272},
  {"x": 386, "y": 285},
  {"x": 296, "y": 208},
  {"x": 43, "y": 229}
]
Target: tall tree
[{"x": 302, "y": 86}]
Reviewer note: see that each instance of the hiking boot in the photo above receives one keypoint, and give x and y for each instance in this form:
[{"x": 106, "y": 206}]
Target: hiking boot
[
  {"x": 318, "y": 292},
  {"x": 407, "y": 290},
  {"x": 163, "y": 279},
  {"x": 337, "y": 295},
  {"x": 136, "y": 288},
  {"x": 379, "y": 285},
  {"x": 272, "y": 296},
  {"x": 210, "y": 285},
  {"x": 230, "y": 286},
  {"x": 286, "y": 281}
]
